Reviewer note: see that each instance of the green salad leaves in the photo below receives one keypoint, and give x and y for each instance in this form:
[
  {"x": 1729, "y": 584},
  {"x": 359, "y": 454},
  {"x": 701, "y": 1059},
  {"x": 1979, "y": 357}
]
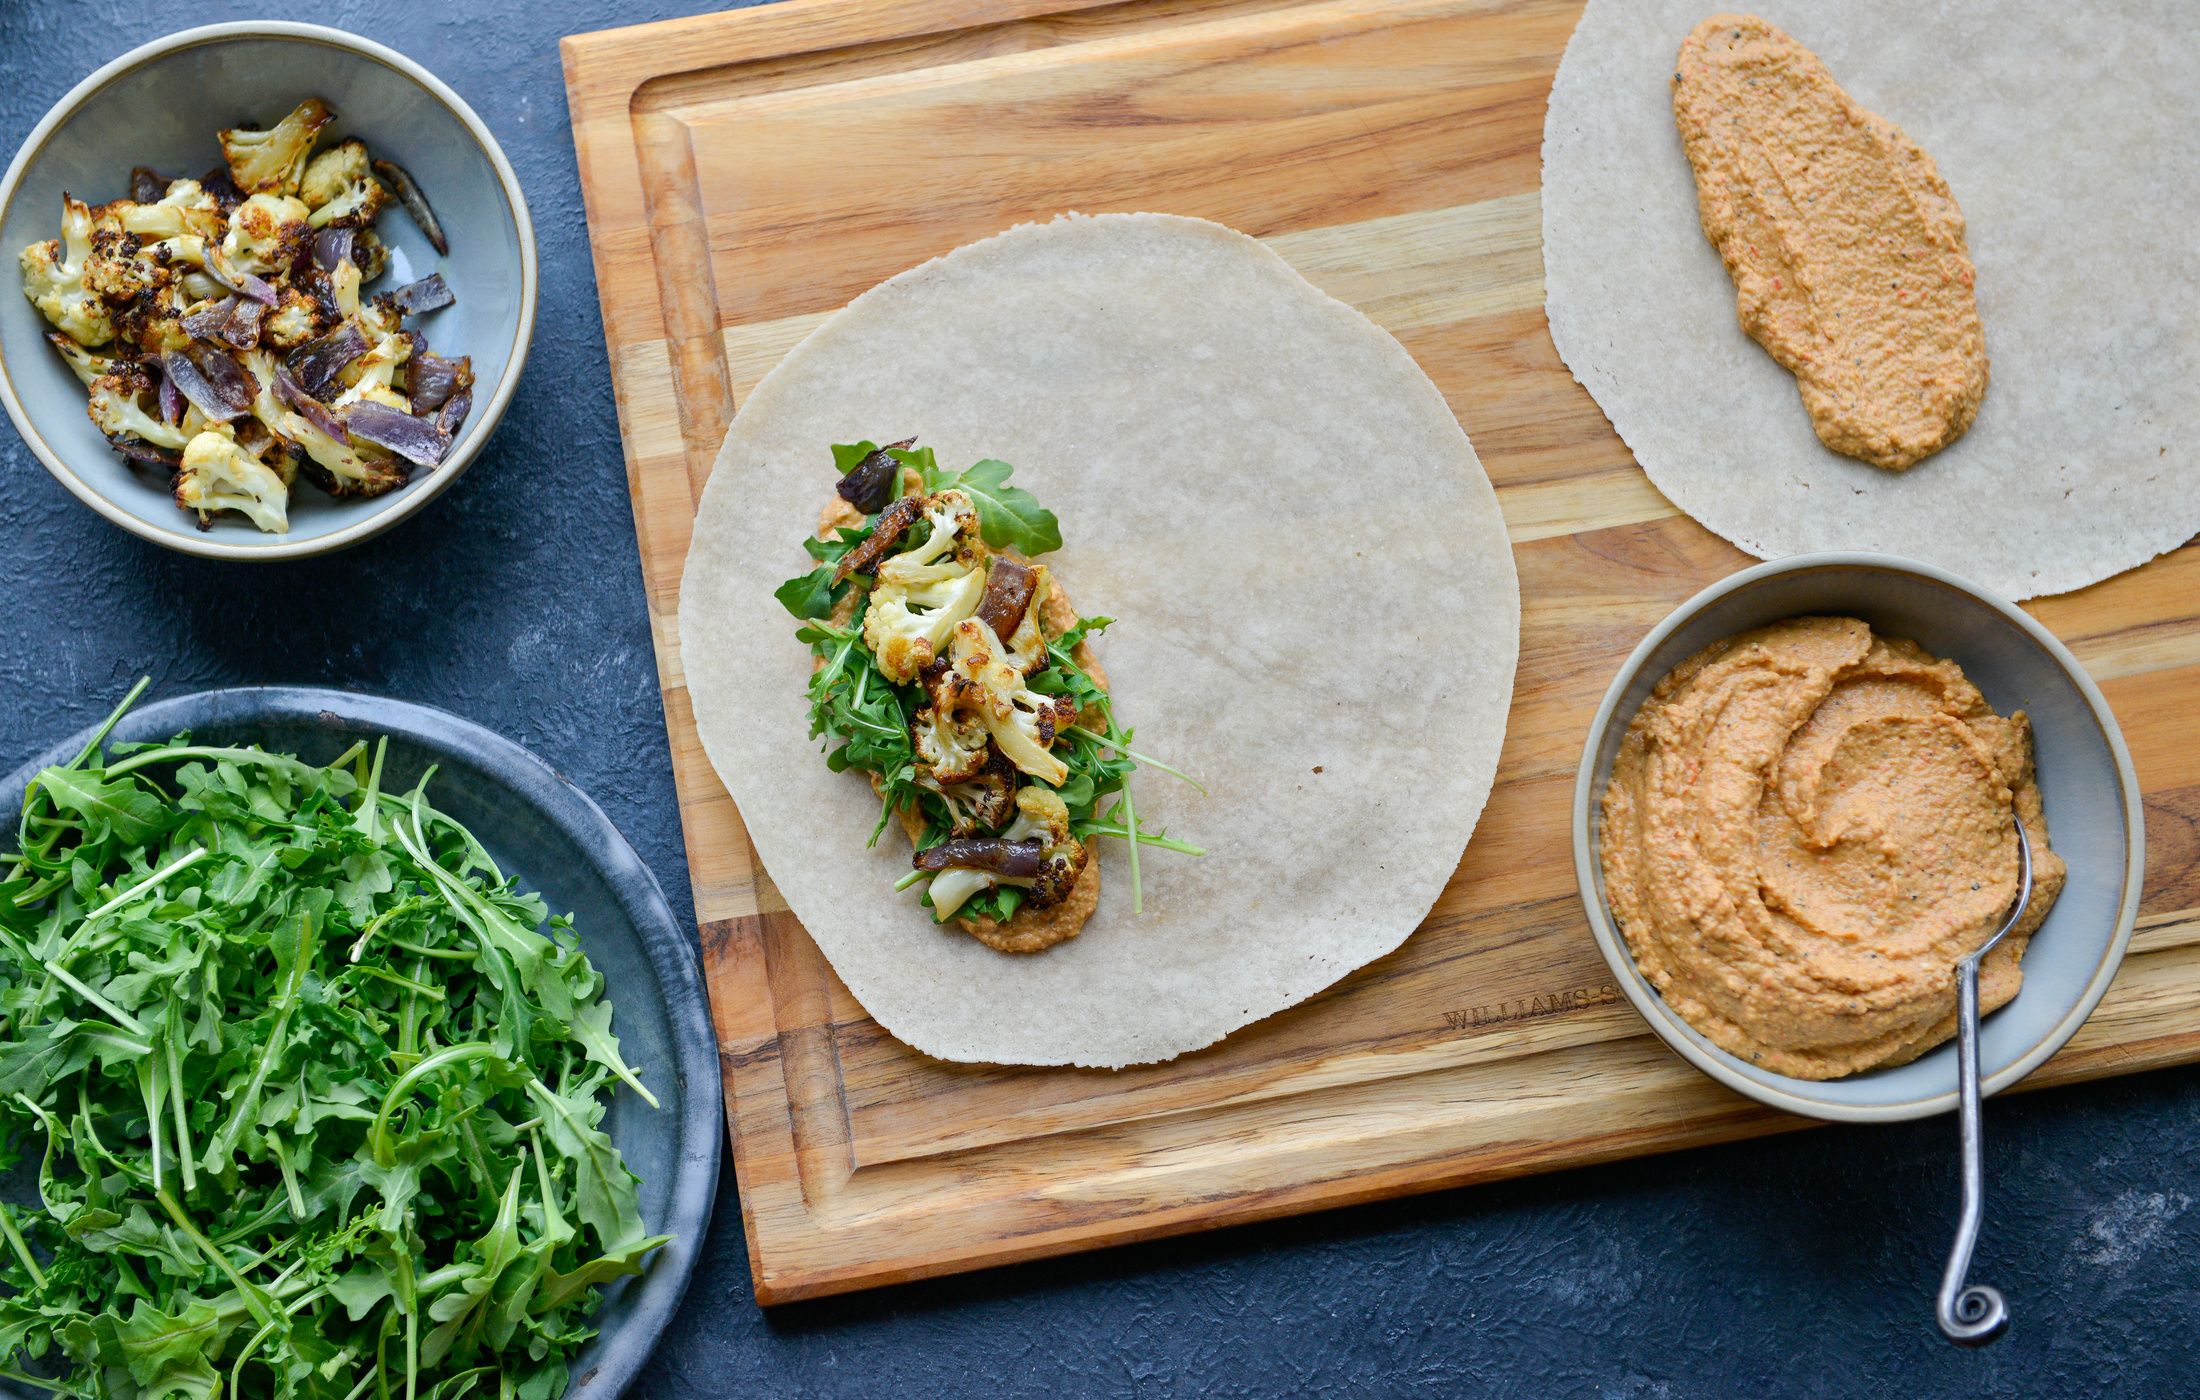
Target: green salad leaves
[
  {"x": 310, "y": 1095},
  {"x": 864, "y": 719}
]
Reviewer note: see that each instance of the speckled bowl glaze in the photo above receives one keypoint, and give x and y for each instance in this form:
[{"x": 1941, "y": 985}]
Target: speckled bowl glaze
[
  {"x": 160, "y": 105},
  {"x": 549, "y": 836},
  {"x": 2086, "y": 781}
]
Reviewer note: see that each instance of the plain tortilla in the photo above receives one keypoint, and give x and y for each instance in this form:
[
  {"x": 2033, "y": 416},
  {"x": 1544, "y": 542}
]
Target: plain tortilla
[
  {"x": 2070, "y": 135},
  {"x": 1318, "y": 618}
]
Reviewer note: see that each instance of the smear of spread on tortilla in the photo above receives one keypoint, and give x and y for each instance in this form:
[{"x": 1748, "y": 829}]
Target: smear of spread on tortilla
[{"x": 1846, "y": 248}]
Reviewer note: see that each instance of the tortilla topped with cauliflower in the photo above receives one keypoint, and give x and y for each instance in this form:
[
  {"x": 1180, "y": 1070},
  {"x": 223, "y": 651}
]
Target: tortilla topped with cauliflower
[{"x": 954, "y": 673}]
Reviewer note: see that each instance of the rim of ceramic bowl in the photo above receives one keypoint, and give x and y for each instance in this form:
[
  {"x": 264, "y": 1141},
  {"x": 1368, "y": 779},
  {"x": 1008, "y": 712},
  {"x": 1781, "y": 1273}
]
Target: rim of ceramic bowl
[
  {"x": 370, "y": 523},
  {"x": 1774, "y": 1089}
]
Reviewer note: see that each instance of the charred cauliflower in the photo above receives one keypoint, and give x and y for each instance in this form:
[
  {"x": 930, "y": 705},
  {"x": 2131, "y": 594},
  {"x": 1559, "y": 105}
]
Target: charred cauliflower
[
  {"x": 340, "y": 188},
  {"x": 274, "y": 161},
  {"x": 219, "y": 474},
  {"x": 238, "y": 342},
  {"x": 53, "y": 278}
]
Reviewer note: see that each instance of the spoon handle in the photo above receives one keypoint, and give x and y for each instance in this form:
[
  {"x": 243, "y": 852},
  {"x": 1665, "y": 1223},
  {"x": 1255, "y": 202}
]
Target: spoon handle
[{"x": 1970, "y": 1314}]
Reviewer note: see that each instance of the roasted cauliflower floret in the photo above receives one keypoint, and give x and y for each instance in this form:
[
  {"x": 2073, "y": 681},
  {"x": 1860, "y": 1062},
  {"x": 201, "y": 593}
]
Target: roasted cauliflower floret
[
  {"x": 905, "y": 627},
  {"x": 121, "y": 267},
  {"x": 340, "y": 188},
  {"x": 372, "y": 255},
  {"x": 951, "y": 744},
  {"x": 187, "y": 208},
  {"x": 152, "y": 320},
  {"x": 267, "y": 234},
  {"x": 294, "y": 320},
  {"x": 372, "y": 375},
  {"x": 1021, "y": 721},
  {"x": 983, "y": 802},
  {"x": 219, "y": 474},
  {"x": 115, "y": 411},
  {"x": 53, "y": 279},
  {"x": 274, "y": 161},
  {"x": 86, "y": 366},
  {"x": 1040, "y": 815}
]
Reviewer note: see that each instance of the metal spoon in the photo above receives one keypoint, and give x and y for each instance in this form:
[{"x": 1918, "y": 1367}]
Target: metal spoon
[{"x": 1973, "y": 1314}]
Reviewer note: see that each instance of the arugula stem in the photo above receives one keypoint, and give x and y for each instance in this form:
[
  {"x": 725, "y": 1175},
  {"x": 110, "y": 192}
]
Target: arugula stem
[
  {"x": 21, "y": 1378},
  {"x": 1166, "y": 843},
  {"x": 1134, "y": 755},
  {"x": 379, "y": 1135},
  {"x": 1130, "y": 823},
  {"x": 120, "y": 1017},
  {"x": 174, "y": 753},
  {"x": 298, "y": 1210},
  {"x": 182, "y": 1110},
  {"x": 383, "y": 975},
  {"x": 22, "y": 1248},
  {"x": 370, "y": 806},
  {"x": 107, "y": 726},
  {"x": 181, "y": 863},
  {"x": 911, "y": 878},
  {"x": 255, "y": 1300}
]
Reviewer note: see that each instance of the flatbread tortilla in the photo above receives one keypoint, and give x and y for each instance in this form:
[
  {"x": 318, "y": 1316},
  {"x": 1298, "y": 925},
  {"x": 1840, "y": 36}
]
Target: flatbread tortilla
[
  {"x": 2080, "y": 213},
  {"x": 1318, "y": 617}
]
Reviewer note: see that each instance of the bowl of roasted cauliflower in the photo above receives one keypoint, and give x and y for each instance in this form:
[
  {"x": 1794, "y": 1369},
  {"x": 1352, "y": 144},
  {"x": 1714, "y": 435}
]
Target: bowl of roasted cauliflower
[{"x": 277, "y": 287}]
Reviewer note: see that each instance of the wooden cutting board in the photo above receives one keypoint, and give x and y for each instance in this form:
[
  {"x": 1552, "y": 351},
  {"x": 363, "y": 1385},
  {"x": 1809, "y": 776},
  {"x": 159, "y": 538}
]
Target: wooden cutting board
[{"x": 748, "y": 173}]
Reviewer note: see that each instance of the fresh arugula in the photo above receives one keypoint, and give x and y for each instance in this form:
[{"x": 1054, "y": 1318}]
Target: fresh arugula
[
  {"x": 314, "y": 1093},
  {"x": 864, "y": 718}
]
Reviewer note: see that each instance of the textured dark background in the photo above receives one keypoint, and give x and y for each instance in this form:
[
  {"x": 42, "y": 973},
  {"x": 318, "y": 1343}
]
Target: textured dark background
[{"x": 1801, "y": 1265}]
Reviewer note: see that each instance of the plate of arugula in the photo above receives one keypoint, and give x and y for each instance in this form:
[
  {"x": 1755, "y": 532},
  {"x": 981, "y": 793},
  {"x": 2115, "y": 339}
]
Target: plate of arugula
[{"x": 345, "y": 1049}]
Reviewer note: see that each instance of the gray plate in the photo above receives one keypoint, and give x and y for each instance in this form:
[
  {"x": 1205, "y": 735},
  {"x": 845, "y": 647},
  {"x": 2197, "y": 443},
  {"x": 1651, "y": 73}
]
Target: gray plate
[
  {"x": 549, "y": 836},
  {"x": 2086, "y": 780}
]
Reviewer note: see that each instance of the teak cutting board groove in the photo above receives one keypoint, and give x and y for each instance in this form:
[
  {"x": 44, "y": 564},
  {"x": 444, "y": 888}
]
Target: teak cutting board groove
[{"x": 748, "y": 173}]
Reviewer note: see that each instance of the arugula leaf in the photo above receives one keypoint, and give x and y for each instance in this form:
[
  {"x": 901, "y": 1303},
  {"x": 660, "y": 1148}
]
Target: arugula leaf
[{"x": 1009, "y": 517}]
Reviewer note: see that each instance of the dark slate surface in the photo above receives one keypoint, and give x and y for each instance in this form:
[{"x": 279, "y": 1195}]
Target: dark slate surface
[{"x": 1801, "y": 1265}]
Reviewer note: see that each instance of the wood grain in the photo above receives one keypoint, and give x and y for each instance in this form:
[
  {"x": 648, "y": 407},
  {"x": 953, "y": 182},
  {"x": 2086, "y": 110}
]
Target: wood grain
[{"x": 747, "y": 173}]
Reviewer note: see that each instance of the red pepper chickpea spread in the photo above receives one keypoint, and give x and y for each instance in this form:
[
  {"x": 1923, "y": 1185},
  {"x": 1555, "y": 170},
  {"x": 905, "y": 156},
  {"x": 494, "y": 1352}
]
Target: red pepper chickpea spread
[
  {"x": 1806, "y": 827},
  {"x": 1844, "y": 243}
]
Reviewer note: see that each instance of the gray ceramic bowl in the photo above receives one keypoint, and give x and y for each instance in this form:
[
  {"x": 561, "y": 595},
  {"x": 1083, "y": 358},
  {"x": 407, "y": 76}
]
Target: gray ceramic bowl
[
  {"x": 160, "y": 105},
  {"x": 2086, "y": 781},
  {"x": 549, "y": 836}
]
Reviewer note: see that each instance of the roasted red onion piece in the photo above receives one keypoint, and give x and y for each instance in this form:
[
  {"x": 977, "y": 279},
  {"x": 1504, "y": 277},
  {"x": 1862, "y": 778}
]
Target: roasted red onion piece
[
  {"x": 146, "y": 185},
  {"x": 216, "y": 384},
  {"x": 432, "y": 380},
  {"x": 430, "y": 293},
  {"x": 171, "y": 401},
  {"x": 1011, "y": 860},
  {"x": 333, "y": 246},
  {"x": 897, "y": 518},
  {"x": 415, "y": 439},
  {"x": 1008, "y": 589},
  {"x": 870, "y": 483},
  {"x": 416, "y": 203},
  {"x": 209, "y": 323},
  {"x": 243, "y": 330},
  {"x": 229, "y": 279},
  {"x": 302, "y": 403},
  {"x": 142, "y": 453},
  {"x": 318, "y": 362},
  {"x": 452, "y": 416}
]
